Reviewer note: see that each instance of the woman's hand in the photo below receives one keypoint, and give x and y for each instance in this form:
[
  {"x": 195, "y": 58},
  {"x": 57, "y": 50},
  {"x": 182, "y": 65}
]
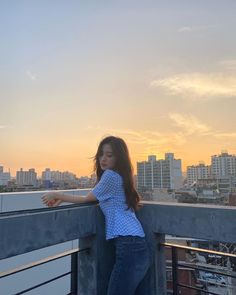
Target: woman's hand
[{"x": 51, "y": 199}]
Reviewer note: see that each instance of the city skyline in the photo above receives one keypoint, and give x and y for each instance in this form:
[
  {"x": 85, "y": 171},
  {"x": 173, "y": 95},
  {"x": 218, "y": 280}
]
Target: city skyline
[
  {"x": 161, "y": 75},
  {"x": 39, "y": 172}
]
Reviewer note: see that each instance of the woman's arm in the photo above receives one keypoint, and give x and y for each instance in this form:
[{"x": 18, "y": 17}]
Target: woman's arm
[{"x": 53, "y": 199}]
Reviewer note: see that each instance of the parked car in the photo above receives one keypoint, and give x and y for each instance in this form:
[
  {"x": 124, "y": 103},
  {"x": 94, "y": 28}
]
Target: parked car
[{"x": 213, "y": 278}]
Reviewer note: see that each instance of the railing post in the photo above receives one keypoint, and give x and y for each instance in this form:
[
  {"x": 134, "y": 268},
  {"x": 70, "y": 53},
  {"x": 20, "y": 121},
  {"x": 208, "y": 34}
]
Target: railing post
[
  {"x": 175, "y": 270},
  {"x": 74, "y": 274},
  {"x": 95, "y": 266},
  {"x": 155, "y": 280},
  {"x": 160, "y": 265}
]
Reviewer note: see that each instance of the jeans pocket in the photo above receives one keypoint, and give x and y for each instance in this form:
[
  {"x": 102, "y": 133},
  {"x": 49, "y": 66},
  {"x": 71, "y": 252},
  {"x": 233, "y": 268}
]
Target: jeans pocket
[{"x": 120, "y": 250}]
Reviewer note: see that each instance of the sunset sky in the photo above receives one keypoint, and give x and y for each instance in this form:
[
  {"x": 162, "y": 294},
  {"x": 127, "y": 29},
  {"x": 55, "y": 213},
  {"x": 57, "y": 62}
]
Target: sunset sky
[{"x": 160, "y": 74}]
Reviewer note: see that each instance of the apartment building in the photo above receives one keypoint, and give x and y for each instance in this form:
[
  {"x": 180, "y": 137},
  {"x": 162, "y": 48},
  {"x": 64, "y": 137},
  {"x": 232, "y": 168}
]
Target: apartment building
[
  {"x": 197, "y": 172},
  {"x": 26, "y": 177},
  {"x": 164, "y": 173},
  {"x": 223, "y": 165},
  {"x": 5, "y": 177}
]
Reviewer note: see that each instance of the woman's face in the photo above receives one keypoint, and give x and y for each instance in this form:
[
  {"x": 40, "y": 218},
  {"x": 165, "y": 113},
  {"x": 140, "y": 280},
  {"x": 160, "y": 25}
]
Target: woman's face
[{"x": 107, "y": 159}]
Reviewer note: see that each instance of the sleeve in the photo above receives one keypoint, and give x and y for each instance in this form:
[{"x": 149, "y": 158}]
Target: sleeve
[{"x": 105, "y": 188}]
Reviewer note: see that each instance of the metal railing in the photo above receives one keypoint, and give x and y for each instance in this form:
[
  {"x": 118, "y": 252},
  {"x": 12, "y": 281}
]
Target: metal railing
[
  {"x": 86, "y": 223},
  {"x": 74, "y": 270},
  {"x": 175, "y": 267}
]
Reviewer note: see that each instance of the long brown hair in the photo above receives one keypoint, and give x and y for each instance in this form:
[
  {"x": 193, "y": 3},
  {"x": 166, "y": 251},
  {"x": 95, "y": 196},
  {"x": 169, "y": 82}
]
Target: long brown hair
[{"x": 122, "y": 165}]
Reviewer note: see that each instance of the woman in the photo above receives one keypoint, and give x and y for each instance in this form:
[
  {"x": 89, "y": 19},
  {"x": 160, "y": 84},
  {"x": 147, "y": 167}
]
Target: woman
[{"x": 118, "y": 200}]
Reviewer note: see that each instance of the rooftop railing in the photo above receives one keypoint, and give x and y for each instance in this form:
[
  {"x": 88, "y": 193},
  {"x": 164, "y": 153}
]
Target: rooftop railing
[
  {"x": 28, "y": 230},
  {"x": 73, "y": 273},
  {"x": 201, "y": 286}
]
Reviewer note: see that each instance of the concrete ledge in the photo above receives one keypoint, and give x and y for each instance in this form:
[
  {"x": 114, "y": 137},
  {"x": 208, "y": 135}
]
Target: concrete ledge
[
  {"x": 210, "y": 222},
  {"x": 26, "y": 231},
  {"x": 29, "y": 230}
]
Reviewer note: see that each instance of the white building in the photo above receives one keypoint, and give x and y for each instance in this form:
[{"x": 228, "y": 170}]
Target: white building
[
  {"x": 58, "y": 176},
  {"x": 50, "y": 175},
  {"x": 196, "y": 172},
  {"x": 154, "y": 173},
  {"x": 47, "y": 174},
  {"x": 26, "y": 177},
  {"x": 223, "y": 165},
  {"x": 4, "y": 176},
  {"x": 224, "y": 171}
]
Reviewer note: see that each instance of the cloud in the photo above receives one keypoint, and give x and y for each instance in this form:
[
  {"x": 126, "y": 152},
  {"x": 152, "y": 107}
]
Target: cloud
[
  {"x": 226, "y": 134},
  {"x": 3, "y": 126},
  {"x": 228, "y": 64},
  {"x": 190, "y": 124},
  {"x": 147, "y": 139},
  {"x": 199, "y": 85},
  {"x": 30, "y": 75},
  {"x": 8, "y": 127},
  {"x": 185, "y": 29},
  {"x": 115, "y": 131},
  {"x": 134, "y": 136},
  {"x": 188, "y": 29}
]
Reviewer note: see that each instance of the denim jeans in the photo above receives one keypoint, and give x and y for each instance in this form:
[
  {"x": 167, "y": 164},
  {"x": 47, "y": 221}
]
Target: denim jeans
[{"x": 132, "y": 263}]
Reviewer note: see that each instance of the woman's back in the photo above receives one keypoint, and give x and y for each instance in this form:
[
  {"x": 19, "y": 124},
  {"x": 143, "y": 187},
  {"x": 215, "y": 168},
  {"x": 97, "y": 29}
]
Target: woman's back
[{"x": 111, "y": 196}]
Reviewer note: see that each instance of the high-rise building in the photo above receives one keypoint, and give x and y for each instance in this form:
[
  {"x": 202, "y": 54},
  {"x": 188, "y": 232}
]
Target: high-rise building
[
  {"x": 47, "y": 174},
  {"x": 165, "y": 173},
  {"x": 196, "y": 172},
  {"x": 58, "y": 176},
  {"x": 223, "y": 165},
  {"x": 26, "y": 177},
  {"x": 5, "y": 177}
]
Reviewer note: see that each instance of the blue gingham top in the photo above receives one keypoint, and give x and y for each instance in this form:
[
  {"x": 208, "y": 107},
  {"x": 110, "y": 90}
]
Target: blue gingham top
[{"x": 110, "y": 193}]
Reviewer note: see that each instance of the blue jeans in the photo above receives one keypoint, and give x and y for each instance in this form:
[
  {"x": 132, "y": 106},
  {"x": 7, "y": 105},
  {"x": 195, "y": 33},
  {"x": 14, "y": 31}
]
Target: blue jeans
[{"x": 132, "y": 263}]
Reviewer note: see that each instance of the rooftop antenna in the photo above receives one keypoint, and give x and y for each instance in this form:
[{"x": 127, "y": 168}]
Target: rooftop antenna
[{"x": 224, "y": 151}]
